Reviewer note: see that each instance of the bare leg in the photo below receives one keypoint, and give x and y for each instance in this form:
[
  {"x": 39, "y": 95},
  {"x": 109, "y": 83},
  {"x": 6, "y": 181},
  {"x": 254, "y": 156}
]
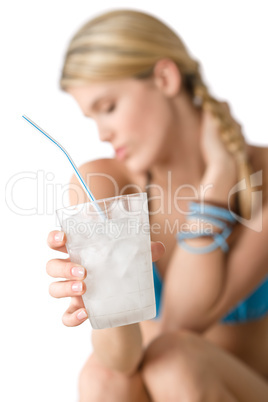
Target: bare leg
[
  {"x": 99, "y": 384},
  {"x": 181, "y": 366}
]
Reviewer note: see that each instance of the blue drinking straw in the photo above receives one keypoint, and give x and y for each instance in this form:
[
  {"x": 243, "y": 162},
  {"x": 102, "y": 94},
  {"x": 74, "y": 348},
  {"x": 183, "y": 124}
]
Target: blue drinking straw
[{"x": 88, "y": 192}]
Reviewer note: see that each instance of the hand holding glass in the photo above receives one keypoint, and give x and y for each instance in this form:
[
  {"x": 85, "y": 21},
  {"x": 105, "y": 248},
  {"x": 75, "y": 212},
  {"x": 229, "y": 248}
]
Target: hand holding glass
[{"x": 116, "y": 252}]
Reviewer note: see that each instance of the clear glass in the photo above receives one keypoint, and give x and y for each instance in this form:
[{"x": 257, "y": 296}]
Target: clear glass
[{"x": 112, "y": 241}]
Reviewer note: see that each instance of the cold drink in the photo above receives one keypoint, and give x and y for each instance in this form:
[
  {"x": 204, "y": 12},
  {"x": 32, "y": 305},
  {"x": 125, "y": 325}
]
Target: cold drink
[{"x": 113, "y": 244}]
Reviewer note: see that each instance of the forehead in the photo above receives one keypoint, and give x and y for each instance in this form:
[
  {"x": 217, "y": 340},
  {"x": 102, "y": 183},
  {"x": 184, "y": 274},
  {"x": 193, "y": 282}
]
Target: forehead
[
  {"x": 100, "y": 89},
  {"x": 95, "y": 90},
  {"x": 91, "y": 91}
]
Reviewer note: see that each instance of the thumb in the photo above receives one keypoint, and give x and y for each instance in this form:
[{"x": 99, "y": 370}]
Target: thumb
[{"x": 158, "y": 249}]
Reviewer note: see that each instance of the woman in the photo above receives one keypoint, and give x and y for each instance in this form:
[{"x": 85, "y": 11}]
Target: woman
[{"x": 133, "y": 75}]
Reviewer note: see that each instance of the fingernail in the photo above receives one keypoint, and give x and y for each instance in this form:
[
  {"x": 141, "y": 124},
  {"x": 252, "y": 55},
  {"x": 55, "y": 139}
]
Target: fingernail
[
  {"x": 59, "y": 236},
  {"x": 77, "y": 287},
  {"x": 79, "y": 272},
  {"x": 82, "y": 314},
  {"x": 162, "y": 244}
]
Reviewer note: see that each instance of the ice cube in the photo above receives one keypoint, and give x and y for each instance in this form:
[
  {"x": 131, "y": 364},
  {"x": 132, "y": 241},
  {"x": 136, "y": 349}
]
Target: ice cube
[
  {"x": 147, "y": 298},
  {"x": 146, "y": 280},
  {"x": 109, "y": 306},
  {"x": 134, "y": 316},
  {"x": 102, "y": 322},
  {"x": 119, "y": 319},
  {"x": 118, "y": 209},
  {"x": 149, "y": 312},
  {"x": 130, "y": 282},
  {"x": 131, "y": 301}
]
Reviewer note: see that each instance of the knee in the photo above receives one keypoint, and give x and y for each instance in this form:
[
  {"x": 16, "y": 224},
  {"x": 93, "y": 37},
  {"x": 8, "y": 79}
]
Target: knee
[
  {"x": 177, "y": 348},
  {"x": 94, "y": 381},
  {"x": 173, "y": 366},
  {"x": 98, "y": 383}
]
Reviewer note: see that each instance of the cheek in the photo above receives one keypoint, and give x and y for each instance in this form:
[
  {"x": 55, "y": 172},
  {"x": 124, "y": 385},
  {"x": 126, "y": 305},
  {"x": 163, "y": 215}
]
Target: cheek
[
  {"x": 147, "y": 119},
  {"x": 148, "y": 135}
]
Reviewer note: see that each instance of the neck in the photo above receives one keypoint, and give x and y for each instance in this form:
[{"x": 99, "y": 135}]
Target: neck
[{"x": 181, "y": 153}]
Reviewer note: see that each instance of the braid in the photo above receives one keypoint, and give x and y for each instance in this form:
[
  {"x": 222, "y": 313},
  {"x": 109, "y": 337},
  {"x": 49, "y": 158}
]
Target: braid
[{"x": 230, "y": 133}]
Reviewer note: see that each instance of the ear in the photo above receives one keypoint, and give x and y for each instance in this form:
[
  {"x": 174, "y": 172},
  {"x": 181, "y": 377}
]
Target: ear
[{"x": 167, "y": 77}]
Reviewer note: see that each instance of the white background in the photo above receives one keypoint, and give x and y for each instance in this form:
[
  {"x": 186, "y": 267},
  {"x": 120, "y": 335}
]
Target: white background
[{"x": 40, "y": 358}]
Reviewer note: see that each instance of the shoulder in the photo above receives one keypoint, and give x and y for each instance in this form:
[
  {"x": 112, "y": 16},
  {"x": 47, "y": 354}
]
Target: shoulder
[{"x": 105, "y": 178}]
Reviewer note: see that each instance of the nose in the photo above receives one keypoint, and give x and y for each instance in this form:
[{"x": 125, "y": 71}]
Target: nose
[{"x": 105, "y": 133}]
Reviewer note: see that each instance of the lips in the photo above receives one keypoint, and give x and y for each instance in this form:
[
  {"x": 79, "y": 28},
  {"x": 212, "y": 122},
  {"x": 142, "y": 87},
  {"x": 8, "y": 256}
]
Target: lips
[{"x": 121, "y": 153}]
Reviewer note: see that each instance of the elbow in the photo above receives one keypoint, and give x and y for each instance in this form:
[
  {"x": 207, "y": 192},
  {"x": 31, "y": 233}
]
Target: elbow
[
  {"x": 194, "y": 305},
  {"x": 194, "y": 318}
]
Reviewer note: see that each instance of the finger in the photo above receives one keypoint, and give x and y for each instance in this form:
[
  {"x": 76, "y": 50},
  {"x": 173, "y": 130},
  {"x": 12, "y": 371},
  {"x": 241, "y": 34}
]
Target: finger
[
  {"x": 76, "y": 313},
  {"x": 56, "y": 240},
  {"x": 158, "y": 249},
  {"x": 66, "y": 269},
  {"x": 67, "y": 289}
]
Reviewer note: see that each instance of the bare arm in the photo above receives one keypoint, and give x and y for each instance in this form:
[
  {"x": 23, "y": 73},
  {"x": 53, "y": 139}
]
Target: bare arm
[
  {"x": 201, "y": 288},
  {"x": 194, "y": 282},
  {"x": 246, "y": 267},
  {"x": 119, "y": 348}
]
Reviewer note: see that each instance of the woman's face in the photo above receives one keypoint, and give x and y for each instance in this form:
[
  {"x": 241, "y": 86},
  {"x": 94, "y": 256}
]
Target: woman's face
[{"x": 133, "y": 115}]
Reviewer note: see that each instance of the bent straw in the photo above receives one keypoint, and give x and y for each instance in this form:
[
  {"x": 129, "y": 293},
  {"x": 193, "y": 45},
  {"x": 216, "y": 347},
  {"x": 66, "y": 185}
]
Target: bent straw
[{"x": 88, "y": 192}]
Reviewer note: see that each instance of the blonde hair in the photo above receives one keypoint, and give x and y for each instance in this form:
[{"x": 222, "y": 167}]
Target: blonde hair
[{"x": 127, "y": 43}]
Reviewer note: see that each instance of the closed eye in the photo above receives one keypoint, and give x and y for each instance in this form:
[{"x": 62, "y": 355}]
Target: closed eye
[
  {"x": 101, "y": 108},
  {"x": 109, "y": 109}
]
